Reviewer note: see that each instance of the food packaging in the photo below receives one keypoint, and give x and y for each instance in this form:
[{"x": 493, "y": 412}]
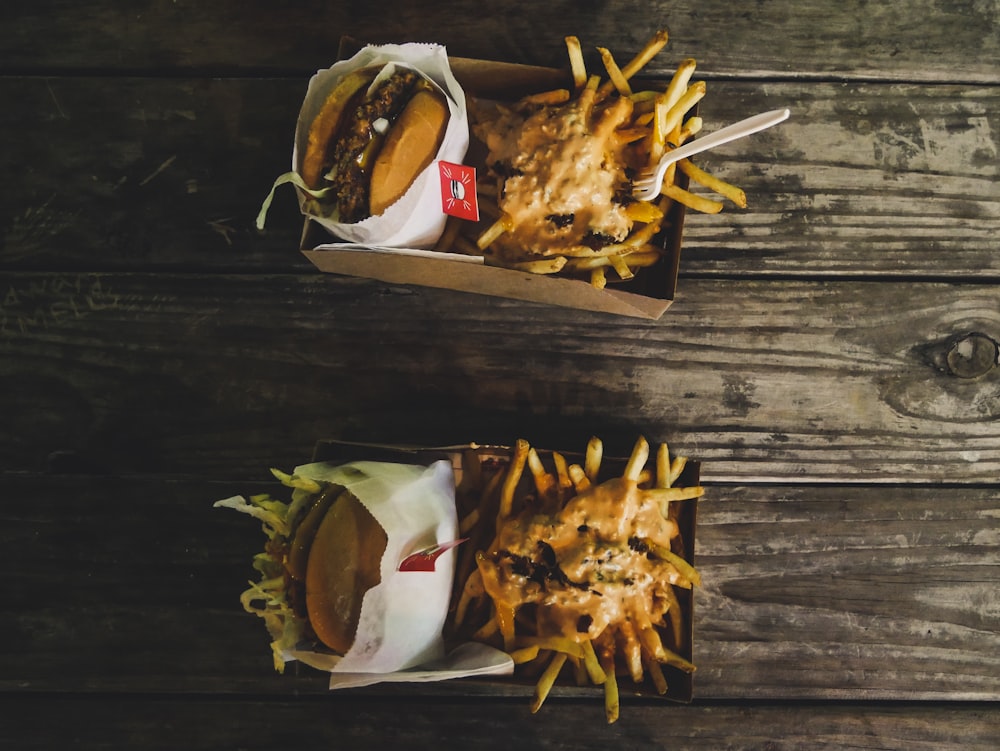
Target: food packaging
[
  {"x": 401, "y": 616},
  {"x": 479, "y": 662},
  {"x": 400, "y": 629},
  {"x": 648, "y": 295}
]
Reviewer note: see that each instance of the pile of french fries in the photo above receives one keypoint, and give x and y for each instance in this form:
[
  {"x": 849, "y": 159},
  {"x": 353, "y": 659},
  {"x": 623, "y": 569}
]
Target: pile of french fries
[
  {"x": 497, "y": 601},
  {"x": 651, "y": 123}
]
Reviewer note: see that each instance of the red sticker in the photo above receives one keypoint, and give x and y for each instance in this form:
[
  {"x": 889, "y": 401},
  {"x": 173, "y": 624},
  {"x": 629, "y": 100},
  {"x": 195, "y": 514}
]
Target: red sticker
[
  {"x": 424, "y": 560},
  {"x": 458, "y": 191}
]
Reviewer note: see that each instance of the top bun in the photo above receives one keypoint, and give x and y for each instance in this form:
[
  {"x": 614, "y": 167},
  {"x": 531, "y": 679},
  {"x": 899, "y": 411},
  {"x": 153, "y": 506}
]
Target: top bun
[
  {"x": 410, "y": 146},
  {"x": 344, "y": 563}
]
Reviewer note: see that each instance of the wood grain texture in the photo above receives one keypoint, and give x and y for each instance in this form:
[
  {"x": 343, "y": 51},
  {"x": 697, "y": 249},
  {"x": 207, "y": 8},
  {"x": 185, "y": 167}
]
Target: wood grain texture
[
  {"x": 832, "y": 358},
  {"x": 814, "y": 381},
  {"x": 850, "y": 593},
  {"x": 414, "y": 723},
  {"x": 864, "y": 180},
  {"x": 919, "y": 40}
]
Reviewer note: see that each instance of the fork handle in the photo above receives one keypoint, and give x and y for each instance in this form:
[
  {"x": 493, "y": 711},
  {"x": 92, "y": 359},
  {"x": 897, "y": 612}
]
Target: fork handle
[{"x": 730, "y": 133}]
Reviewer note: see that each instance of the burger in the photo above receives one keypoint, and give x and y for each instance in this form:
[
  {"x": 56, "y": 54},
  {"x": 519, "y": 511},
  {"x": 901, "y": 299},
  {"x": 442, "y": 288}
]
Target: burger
[
  {"x": 376, "y": 131},
  {"x": 332, "y": 590},
  {"x": 323, "y": 553}
]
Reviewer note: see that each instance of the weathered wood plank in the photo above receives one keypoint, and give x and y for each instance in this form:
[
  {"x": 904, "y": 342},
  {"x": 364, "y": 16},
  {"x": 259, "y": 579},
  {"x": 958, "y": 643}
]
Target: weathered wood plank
[
  {"x": 793, "y": 380},
  {"x": 890, "y": 180},
  {"x": 170, "y": 723},
  {"x": 151, "y": 172},
  {"x": 863, "y": 180},
  {"x": 887, "y": 587},
  {"x": 866, "y": 592},
  {"x": 920, "y": 40}
]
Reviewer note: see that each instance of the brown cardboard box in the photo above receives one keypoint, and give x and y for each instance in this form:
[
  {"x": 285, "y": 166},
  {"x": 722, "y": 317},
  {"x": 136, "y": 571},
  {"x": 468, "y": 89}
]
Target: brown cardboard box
[
  {"x": 648, "y": 295},
  {"x": 680, "y": 684}
]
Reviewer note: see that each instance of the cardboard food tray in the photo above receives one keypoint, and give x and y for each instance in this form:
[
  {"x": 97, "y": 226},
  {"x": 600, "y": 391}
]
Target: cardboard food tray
[
  {"x": 680, "y": 685},
  {"x": 648, "y": 295}
]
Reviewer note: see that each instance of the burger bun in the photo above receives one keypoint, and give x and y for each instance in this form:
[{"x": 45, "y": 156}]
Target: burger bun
[
  {"x": 409, "y": 147},
  {"x": 321, "y": 139},
  {"x": 344, "y": 563}
]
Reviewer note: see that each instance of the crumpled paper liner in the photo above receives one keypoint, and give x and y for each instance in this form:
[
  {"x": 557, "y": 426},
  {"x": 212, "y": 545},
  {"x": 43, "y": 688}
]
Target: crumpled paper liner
[
  {"x": 416, "y": 220},
  {"x": 400, "y": 629}
]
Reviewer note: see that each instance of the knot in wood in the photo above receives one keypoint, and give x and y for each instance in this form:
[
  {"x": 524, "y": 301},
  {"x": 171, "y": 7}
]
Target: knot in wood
[{"x": 972, "y": 355}]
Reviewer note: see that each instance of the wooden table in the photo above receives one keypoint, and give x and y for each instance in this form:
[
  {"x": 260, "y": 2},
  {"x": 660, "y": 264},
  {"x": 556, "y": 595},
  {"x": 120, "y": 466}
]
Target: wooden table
[{"x": 831, "y": 357}]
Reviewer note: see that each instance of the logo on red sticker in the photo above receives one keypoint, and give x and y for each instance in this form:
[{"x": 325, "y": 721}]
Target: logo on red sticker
[{"x": 458, "y": 191}]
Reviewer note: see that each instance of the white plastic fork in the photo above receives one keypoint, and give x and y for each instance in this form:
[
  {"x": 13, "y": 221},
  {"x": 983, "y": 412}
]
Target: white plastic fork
[{"x": 647, "y": 185}]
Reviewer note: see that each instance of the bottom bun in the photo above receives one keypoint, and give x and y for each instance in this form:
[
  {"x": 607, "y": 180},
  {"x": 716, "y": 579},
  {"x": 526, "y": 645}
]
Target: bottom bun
[
  {"x": 410, "y": 145},
  {"x": 344, "y": 563},
  {"x": 320, "y": 145}
]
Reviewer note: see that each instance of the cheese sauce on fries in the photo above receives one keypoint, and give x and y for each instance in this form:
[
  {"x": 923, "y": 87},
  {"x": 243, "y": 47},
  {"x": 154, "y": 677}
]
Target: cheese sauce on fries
[
  {"x": 565, "y": 187},
  {"x": 560, "y": 165},
  {"x": 589, "y": 565},
  {"x": 581, "y": 570}
]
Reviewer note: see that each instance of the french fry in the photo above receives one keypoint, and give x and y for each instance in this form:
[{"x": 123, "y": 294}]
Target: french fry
[
  {"x": 692, "y": 126},
  {"x": 648, "y": 628},
  {"x": 672, "y": 658},
  {"x": 692, "y": 200},
  {"x": 593, "y": 665},
  {"x": 640, "y": 453},
  {"x": 557, "y": 644},
  {"x": 663, "y": 479},
  {"x": 494, "y": 231},
  {"x": 471, "y": 591},
  {"x": 656, "y": 675},
  {"x": 637, "y": 128},
  {"x": 680, "y": 81},
  {"x": 524, "y": 654},
  {"x": 713, "y": 183},
  {"x": 544, "y": 266},
  {"x": 676, "y": 467},
  {"x": 592, "y": 459},
  {"x": 685, "y": 569},
  {"x": 545, "y": 483},
  {"x": 562, "y": 474},
  {"x": 622, "y": 268},
  {"x": 631, "y": 649},
  {"x": 612, "y": 700},
  {"x": 635, "y": 260},
  {"x": 548, "y": 678},
  {"x": 674, "y": 113},
  {"x": 615, "y": 74},
  {"x": 656, "y": 43},
  {"x": 576, "y": 62},
  {"x": 588, "y": 95},
  {"x": 674, "y": 613},
  {"x": 543, "y": 98},
  {"x": 644, "y": 211},
  {"x": 513, "y": 477}
]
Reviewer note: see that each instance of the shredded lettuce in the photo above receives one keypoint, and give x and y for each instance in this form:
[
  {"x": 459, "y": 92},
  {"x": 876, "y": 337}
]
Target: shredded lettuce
[
  {"x": 296, "y": 482},
  {"x": 267, "y": 598},
  {"x": 295, "y": 179},
  {"x": 273, "y": 513}
]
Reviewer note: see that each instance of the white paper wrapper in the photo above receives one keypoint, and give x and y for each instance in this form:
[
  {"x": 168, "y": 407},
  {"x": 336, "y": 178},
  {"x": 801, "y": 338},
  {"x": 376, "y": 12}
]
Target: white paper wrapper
[
  {"x": 466, "y": 660},
  {"x": 400, "y": 629},
  {"x": 416, "y": 220}
]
